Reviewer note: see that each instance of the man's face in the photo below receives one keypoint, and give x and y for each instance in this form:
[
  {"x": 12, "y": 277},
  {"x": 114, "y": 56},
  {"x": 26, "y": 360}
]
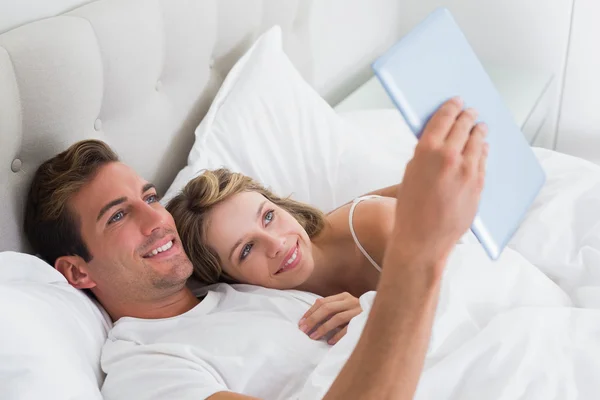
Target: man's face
[{"x": 135, "y": 248}]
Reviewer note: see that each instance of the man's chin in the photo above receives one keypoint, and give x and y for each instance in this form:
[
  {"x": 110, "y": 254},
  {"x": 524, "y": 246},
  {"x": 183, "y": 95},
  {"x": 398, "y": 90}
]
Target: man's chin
[{"x": 176, "y": 276}]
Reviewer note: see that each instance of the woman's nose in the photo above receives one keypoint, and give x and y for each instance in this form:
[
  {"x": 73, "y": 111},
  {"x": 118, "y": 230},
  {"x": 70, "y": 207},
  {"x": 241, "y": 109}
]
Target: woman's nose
[{"x": 275, "y": 245}]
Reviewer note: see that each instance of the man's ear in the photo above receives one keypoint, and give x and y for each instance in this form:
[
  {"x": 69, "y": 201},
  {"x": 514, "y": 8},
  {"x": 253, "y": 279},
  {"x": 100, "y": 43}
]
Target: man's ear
[{"x": 75, "y": 269}]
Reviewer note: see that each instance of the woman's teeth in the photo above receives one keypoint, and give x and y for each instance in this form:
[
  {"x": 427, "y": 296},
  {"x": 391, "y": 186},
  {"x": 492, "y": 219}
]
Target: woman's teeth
[
  {"x": 160, "y": 249},
  {"x": 292, "y": 258},
  {"x": 289, "y": 261}
]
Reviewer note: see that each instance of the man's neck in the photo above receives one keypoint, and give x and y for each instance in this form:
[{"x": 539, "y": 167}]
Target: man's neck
[{"x": 170, "y": 306}]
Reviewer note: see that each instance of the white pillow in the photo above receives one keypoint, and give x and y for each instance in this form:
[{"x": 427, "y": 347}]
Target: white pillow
[
  {"x": 390, "y": 144},
  {"x": 51, "y": 334},
  {"x": 268, "y": 123}
]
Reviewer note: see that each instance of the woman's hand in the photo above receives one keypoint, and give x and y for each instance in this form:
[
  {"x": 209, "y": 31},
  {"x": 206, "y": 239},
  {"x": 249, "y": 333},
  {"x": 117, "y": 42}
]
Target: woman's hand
[{"x": 333, "y": 312}]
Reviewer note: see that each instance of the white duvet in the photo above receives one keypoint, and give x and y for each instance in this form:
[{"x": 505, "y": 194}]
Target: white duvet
[{"x": 526, "y": 326}]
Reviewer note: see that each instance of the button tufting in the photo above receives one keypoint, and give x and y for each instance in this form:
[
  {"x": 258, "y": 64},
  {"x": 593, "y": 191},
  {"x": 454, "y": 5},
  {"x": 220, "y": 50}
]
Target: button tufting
[
  {"x": 98, "y": 125},
  {"x": 16, "y": 165},
  {"x": 211, "y": 63}
]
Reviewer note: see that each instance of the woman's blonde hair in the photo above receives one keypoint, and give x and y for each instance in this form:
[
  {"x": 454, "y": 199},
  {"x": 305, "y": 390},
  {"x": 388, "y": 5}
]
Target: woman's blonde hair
[{"x": 190, "y": 210}]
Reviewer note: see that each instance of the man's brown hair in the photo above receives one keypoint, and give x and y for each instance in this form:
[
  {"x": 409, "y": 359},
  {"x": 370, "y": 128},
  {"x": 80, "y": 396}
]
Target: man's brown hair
[{"x": 52, "y": 228}]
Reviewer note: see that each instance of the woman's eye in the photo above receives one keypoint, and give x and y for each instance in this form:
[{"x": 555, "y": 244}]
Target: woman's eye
[
  {"x": 246, "y": 251},
  {"x": 117, "y": 217},
  {"x": 269, "y": 216}
]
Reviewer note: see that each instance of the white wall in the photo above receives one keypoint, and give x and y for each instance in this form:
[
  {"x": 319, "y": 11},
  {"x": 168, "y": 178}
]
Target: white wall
[
  {"x": 579, "y": 125},
  {"x": 531, "y": 34},
  {"x": 374, "y": 28}
]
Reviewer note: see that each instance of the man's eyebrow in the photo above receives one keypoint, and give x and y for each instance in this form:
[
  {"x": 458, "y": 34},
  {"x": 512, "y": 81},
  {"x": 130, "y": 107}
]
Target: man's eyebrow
[
  {"x": 120, "y": 200},
  {"x": 258, "y": 214},
  {"x": 147, "y": 187},
  {"x": 110, "y": 205}
]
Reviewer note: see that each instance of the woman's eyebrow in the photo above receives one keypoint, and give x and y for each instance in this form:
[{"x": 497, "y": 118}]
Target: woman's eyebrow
[{"x": 258, "y": 214}]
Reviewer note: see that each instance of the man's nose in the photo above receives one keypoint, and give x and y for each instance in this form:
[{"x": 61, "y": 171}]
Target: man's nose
[{"x": 152, "y": 218}]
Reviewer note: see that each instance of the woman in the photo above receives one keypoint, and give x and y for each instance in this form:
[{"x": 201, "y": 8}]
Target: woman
[{"x": 235, "y": 230}]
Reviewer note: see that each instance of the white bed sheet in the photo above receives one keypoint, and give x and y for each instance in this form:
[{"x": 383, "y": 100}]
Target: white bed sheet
[
  {"x": 526, "y": 326},
  {"x": 502, "y": 330},
  {"x": 561, "y": 232}
]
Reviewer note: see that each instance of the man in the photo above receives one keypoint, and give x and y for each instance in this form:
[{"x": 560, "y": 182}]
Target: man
[{"x": 102, "y": 227}]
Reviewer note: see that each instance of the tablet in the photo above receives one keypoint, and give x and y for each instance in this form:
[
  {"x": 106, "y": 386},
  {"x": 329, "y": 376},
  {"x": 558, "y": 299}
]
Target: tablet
[{"x": 433, "y": 63}]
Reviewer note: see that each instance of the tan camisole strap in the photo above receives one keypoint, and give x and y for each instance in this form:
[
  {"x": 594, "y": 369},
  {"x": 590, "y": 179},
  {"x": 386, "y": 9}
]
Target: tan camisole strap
[{"x": 350, "y": 215}]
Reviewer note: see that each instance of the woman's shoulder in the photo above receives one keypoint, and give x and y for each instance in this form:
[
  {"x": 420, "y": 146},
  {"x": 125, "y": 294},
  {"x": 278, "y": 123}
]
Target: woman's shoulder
[
  {"x": 372, "y": 217},
  {"x": 362, "y": 226},
  {"x": 367, "y": 215}
]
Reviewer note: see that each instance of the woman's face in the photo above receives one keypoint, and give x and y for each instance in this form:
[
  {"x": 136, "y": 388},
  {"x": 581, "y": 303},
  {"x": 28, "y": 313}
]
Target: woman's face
[{"x": 259, "y": 243}]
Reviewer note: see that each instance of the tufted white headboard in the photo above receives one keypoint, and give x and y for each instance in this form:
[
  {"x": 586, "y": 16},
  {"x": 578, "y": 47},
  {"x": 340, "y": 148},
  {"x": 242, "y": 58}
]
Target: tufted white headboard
[{"x": 140, "y": 74}]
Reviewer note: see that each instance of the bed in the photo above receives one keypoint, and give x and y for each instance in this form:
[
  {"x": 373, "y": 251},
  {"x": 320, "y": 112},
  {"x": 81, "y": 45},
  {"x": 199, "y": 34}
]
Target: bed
[{"x": 170, "y": 85}]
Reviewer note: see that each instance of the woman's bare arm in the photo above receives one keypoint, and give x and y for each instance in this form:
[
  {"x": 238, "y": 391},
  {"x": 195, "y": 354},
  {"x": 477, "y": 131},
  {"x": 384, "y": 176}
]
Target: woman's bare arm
[{"x": 389, "y": 191}]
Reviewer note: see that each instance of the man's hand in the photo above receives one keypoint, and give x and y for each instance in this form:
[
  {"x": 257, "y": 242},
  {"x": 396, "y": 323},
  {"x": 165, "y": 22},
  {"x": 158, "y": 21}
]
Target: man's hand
[
  {"x": 436, "y": 203},
  {"x": 439, "y": 195}
]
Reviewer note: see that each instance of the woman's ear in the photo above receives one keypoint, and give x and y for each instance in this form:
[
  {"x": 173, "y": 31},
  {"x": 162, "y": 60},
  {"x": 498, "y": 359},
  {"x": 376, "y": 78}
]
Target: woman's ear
[{"x": 75, "y": 270}]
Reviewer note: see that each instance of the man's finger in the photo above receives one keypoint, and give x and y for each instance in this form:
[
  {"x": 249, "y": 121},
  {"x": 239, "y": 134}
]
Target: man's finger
[
  {"x": 461, "y": 130},
  {"x": 474, "y": 146},
  {"x": 336, "y": 338},
  {"x": 483, "y": 159},
  {"x": 442, "y": 120}
]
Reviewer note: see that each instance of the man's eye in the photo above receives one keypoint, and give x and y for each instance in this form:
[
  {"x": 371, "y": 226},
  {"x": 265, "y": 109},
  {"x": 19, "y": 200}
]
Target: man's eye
[
  {"x": 153, "y": 198},
  {"x": 269, "y": 217},
  {"x": 117, "y": 217},
  {"x": 246, "y": 251}
]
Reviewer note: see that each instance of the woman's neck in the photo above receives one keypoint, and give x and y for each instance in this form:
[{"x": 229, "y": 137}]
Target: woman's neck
[{"x": 332, "y": 274}]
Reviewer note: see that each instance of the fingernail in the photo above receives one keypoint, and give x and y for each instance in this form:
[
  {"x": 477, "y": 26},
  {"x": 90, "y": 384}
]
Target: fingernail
[
  {"x": 301, "y": 321},
  {"x": 314, "y": 335},
  {"x": 331, "y": 341},
  {"x": 472, "y": 112},
  {"x": 484, "y": 128},
  {"x": 457, "y": 100},
  {"x": 303, "y": 328}
]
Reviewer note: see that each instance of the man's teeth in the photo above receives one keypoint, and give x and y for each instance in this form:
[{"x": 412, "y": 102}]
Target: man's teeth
[
  {"x": 292, "y": 258},
  {"x": 160, "y": 249}
]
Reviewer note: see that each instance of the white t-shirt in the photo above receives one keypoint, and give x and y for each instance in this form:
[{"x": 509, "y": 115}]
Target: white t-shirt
[{"x": 240, "y": 338}]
